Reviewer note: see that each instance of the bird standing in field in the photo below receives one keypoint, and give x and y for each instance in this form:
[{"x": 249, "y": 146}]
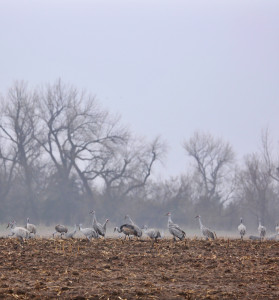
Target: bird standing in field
[
  {"x": 206, "y": 232},
  {"x": 241, "y": 228},
  {"x": 277, "y": 228},
  {"x": 261, "y": 230},
  {"x": 99, "y": 228},
  {"x": 20, "y": 232},
  {"x": 88, "y": 232},
  {"x": 154, "y": 234},
  {"x": 174, "y": 229},
  {"x": 127, "y": 229},
  {"x": 136, "y": 227},
  {"x": 70, "y": 235},
  {"x": 60, "y": 229},
  {"x": 31, "y": 227}
]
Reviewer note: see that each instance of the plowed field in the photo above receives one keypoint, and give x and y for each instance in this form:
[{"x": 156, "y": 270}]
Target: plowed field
[{"x": 132, "y": 269}]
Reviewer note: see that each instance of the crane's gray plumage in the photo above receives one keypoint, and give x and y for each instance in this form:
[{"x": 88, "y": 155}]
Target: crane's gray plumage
[
  {"x": 261, "y": 230},
  {"x": 99, "y": 228},
  {"x": 241, "y": 228},
  {"x": 31, "y": 227},
  {"x": 20, "y": 232},
  {"x": 154, "y": 234},
  {"x": 105, "y": 226},
  {"x": 273, "y": 237},
  {"x": 254, "y": 238},
  {"x": 88, "y": 232},
  {"x": 174, "y": 229},
  {"x": 136, "y": 227},
  {"x": 206, "y": 232},
  {"x": 60, "y": 229},
  {"x": 70, "y": 235},
  {"x": 127, "y": 229}
]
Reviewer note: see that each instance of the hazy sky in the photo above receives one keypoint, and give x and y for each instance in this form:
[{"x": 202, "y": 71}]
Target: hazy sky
[{"x": 168, "y": 68}]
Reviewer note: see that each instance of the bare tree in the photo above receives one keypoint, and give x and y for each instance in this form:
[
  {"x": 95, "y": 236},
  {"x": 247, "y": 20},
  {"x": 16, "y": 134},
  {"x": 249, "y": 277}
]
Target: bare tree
[
  {"x": 129, "y": 167},
  {"x": 7, "y": 165},
  {"x": 213, "y": 160},
  {"x": 17, "y": 128},
  {"x": 76, "y": 133},
  {"x": 272, "y": 163},
  {"x": 255, "y": 187}
]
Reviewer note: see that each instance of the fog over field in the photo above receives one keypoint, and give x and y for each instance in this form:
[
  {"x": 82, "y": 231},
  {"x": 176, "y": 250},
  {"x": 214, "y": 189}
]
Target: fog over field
[{"x": 140, "y": 108}]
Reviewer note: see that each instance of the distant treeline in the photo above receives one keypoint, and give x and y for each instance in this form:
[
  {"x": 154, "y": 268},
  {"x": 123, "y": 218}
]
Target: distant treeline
[{"x": 62, "y": 154}]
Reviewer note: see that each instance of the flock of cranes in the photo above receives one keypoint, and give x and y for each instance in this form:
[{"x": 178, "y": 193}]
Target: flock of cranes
[{"x": 130, "y": 229}]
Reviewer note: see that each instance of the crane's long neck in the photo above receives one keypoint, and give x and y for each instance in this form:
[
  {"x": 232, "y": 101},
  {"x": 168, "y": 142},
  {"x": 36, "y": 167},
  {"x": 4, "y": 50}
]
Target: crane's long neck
[
  {"x": 94, "y": 220},
  {"x": 200, "y": 222},
  {"x": 130, "y": 220},
  {"x": 105, "y": 224},
  {"x": 169, "y": 219}
]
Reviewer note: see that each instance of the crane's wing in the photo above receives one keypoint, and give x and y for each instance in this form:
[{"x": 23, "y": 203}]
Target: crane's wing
[
  {"x": 128, "y": 229},
  {"x": 176, "y": 231},
  {"x": 208, "y": 233}
]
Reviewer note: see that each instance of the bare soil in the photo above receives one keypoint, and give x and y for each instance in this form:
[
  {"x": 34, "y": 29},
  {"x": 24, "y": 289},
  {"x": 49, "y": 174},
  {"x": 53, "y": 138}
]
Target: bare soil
[{"x": 133, "y": 269}]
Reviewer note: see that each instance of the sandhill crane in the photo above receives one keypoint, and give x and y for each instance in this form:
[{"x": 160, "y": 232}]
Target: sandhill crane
[
  {"x": 127, "y": 229},
  {"x": 273, "y": 237},
  {"x": 99, "y": 228},
  {"x": 154, "y": 234},
  {"x": 241, "y": 228},
  {"x": 105, "y": 226},
  {"x": 277, "y": 228},
  {"x": 206, "y": 232},
  {"x": 261, "y": 230},
  {"x": 254, "y": 238},
  {"x": 71, "y": 234},
  {"x": 31, "y": 227},
  {"x": 20, "y": 232},
  {"x": 136, "y": 227},
  {"x": 88, "y": 232},
  {"x": 174, "y": 229},
  {"x": 60, "y": 229}
]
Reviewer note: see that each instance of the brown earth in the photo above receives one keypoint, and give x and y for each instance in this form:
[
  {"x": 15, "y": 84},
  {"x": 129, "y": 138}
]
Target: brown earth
[{"x": 118, "y": 269}]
